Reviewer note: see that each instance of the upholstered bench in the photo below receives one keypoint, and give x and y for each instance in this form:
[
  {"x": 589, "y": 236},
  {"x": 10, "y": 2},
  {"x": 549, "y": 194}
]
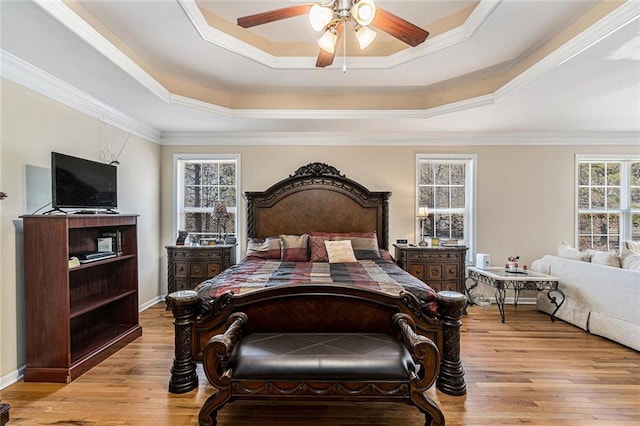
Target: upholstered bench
[{"x": 321, "y": 366}]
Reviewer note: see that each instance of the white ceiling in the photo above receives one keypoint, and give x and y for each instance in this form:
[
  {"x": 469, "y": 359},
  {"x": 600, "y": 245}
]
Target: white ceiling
[{"x": 528, "y": 67}]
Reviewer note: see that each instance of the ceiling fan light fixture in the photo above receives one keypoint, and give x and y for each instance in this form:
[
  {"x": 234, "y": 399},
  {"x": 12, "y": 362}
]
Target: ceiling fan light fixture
[
  {"x": 365, "y": 36},
  {"x": 319, "y": 17},
  {"x": 364, "y": 12},
  {"x": 328, "y": 41}
]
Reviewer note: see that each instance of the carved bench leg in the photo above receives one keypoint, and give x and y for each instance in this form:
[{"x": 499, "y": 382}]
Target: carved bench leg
[
  {"x": 451, "y": 377},
  {"x": 209, "y": 410},
  {"x": 432, "y": 414},
  {"x": 183, "y": 372}
]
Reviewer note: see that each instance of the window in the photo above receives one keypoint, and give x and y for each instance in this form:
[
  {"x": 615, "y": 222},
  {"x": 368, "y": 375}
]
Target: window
[
  {"x": 203, "y": 181},
  {"x": 445, "y": 185},
  {"x": 608, "y": 202}
]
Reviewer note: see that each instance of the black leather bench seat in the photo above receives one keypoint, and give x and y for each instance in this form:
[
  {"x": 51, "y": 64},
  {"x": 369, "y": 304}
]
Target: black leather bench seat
[{"x": 320, "y": 356}]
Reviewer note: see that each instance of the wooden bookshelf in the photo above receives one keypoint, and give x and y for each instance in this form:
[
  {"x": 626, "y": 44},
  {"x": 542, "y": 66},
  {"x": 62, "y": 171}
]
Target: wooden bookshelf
[{"x": 76, "y": 317}]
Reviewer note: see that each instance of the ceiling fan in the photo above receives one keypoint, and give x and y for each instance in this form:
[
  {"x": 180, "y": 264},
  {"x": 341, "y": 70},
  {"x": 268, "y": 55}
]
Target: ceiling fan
[{"x": 331, "y": 16}]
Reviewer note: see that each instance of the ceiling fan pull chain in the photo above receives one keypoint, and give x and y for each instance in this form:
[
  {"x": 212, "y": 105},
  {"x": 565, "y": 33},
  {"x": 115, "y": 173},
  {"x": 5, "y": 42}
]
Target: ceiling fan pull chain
[{"x": 344, "y": 50}]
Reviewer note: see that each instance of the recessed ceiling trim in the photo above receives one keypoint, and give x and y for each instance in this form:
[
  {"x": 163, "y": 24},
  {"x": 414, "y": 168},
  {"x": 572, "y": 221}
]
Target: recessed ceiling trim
[
  {"x": 479, "y": 15},
  {"x": 33, "y": 78},
  {"x": 621, "y": 16},
  {"x": 86, "y": 32},
  {"x": 398, "y": 139}
]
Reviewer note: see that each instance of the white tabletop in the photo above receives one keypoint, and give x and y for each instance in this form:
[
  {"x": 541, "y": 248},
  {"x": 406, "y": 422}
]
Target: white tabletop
[{"x": 500, "y": 273}]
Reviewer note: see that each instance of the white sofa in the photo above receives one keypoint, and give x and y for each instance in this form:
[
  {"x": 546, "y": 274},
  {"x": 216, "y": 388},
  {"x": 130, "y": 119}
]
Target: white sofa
[{"x": 603, "y": 300}]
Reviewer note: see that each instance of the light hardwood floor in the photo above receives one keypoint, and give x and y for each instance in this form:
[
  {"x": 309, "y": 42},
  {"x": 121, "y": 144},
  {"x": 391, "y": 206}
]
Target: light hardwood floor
[{"x": 528, "y": 371}]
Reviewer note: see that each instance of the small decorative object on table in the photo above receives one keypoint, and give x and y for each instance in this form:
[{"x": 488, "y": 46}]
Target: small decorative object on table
[
  {"x": 512, "y": 265},
  {"x": 182, "y": 236}
]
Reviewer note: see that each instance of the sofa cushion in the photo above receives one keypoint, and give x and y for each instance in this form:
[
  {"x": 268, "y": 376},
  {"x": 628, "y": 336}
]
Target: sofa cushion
[
  {"x": 607, "y": 258},
  {"x": 567, "y": 251},
  {"x": 633, "y": 246},
  {"x": 630, "y": 259}
]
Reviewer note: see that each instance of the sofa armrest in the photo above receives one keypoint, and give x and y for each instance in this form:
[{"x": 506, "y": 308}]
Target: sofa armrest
[
  {"x": 541, "y": 265},
  {"x": 218, "y": 349},
  {"x": 424, "y": 352}
]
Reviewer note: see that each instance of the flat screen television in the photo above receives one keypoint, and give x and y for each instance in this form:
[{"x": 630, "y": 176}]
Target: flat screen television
[{"x": 82, "y": 184}]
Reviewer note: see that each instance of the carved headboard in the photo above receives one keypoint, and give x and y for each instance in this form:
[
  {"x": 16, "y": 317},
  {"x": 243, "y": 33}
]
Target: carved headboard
[{"x": 317, "y": 197}]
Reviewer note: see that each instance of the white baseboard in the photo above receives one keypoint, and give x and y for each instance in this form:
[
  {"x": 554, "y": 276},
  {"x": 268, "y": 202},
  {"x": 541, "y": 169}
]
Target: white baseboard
[
  {"x": 150, "y": 303},
  {"x": 12, "y": 377},
  {"x": 17, "y": 375}
]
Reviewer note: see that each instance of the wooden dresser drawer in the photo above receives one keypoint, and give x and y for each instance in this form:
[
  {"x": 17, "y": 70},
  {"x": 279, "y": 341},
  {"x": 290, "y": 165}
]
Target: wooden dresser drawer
[
  {"x": 441, "y": 268},
  {"x": 188, "y": 266}
]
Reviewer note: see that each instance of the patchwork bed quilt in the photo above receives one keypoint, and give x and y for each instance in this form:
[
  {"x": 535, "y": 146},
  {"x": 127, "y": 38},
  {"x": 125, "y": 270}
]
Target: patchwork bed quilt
[{"x": 379, "y": 275}]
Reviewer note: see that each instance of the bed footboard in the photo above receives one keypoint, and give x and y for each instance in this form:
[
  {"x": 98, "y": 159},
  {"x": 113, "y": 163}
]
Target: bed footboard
[{"x": 274, "y": 313}]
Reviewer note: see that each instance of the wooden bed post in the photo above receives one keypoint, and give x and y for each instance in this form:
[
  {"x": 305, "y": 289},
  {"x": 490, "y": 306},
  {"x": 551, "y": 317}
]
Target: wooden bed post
[
  {"x": 451, "y": 377},
  {"x": 184, "y": 306}
]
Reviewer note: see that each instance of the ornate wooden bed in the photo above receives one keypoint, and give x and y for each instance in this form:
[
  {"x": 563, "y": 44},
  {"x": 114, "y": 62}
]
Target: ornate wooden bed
[{"x": 316, "y": 197}]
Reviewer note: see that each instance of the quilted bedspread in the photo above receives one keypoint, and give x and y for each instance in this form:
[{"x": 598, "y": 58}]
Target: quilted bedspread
[{"x": 379, "y": 275}]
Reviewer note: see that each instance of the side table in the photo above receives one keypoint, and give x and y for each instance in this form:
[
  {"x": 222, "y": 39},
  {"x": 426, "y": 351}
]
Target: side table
[
  {"x": 502, "y": 280},
  {"x": 441, "y": 268},
  {"x": 188, "y": 266}
]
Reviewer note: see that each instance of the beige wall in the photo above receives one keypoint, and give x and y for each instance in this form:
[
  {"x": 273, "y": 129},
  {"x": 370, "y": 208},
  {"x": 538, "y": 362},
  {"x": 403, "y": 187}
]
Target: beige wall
[
  {"x": 525, "y": 194},
  {"x": 33, "y": 126}
]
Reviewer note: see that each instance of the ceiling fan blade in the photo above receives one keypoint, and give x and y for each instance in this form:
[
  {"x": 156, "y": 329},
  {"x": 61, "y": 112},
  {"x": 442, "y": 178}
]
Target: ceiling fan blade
[
  {"x": 399, "y": 28},
  {"x": 273, "y": 15},
  {"x": 325, "y": 58}
]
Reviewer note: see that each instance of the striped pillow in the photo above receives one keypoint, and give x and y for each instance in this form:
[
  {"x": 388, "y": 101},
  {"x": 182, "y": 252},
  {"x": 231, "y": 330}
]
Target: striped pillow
[
  {"x": 295, "y": 248},
  {"x": 264, "y": 249},
  {"x": 365, "y": 244}
]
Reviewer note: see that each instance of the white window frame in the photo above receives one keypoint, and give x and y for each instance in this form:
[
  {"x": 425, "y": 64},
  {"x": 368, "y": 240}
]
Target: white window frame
[
  {"x": 470, "y": 209},
  {"x": 178, "y": 193},
  {"x": 625, "y": 210}
]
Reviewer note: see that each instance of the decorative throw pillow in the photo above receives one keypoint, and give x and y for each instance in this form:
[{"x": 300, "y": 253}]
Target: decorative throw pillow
[
  {"x": 318, "y": 249},
  {"x": 264, "y": 249},
  {"x": 565, "y": 250},
  {"x": 630, "y": 259},
  {"x": 365, "y": 244},
  {"x": 607, "y": 258},
  {"x": 340, "y": 251},
  {"x": 295, "y": 248},
  {"x": 633, "y": 246}
]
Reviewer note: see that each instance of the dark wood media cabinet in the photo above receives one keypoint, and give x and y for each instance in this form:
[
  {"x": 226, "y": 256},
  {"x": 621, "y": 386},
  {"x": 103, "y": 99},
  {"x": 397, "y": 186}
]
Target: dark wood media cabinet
[{"x": 77, "y": 316}]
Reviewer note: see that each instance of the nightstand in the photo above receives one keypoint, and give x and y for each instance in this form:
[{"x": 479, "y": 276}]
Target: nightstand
[
  {"x": 441, "y": 268},
  {"x": 188, "y": 266}
]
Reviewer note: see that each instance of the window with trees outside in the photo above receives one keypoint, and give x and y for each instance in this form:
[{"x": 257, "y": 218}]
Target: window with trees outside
[
  {"x": 445, "y": 186},
  {"x": 202, "y": 183},
  {"x": 608, "y": 202}
]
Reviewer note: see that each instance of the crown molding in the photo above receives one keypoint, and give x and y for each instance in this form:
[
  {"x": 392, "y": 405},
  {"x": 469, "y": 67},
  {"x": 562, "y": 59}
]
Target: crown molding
[
  {"x": 86, "y": 32},
  {"x": 621, "y": 16},
  {"x": 33, "y": 78},
  {"x": 479, "y": 15},
  {"x": 399, "y": 139}
]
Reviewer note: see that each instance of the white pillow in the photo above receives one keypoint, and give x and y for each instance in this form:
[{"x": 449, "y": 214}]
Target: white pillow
[
  {"x": 629, "y": 259},
  {"x": 608, "y": 258},
  {"x": 565, "y": 250},
  {"x": 633, "y": 246},
  {"x": 340, "y": 251}
]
